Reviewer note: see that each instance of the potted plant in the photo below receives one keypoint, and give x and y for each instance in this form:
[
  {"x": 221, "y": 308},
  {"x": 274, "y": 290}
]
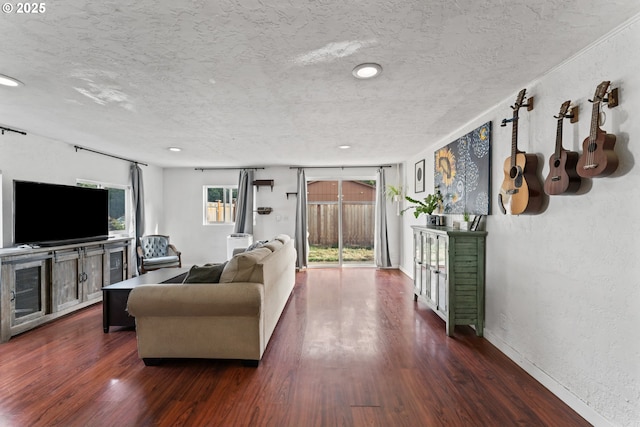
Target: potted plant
[
  {"x": 464, "y": 224},
  {"x": 427, "y": 206},
  {"x": 395, "y": 195}
]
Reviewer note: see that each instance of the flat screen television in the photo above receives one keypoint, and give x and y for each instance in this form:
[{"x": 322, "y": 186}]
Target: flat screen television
[{"x": 53, "y": 214}]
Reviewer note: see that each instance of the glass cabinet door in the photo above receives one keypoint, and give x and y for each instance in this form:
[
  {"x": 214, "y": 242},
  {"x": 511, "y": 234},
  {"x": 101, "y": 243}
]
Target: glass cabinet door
[
  {"x": 443, "y": 256},
  {"x": 27, "y": 291},
  {"x": 416, "y": 264},
  {"x": 430, "y": 280}
]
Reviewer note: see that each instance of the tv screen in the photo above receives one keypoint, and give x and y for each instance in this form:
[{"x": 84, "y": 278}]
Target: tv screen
[{"x": 52, "y": 214}]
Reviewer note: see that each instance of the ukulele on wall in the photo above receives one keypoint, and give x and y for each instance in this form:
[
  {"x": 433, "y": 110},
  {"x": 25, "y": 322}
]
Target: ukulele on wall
[
  {"x": 598, "y": 158},
  {"x": 562, "y": 178},
  {"x": 521, "y": 192}
]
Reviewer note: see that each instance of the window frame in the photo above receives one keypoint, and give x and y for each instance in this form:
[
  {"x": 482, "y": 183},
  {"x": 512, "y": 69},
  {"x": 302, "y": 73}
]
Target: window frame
[
  {"x": 227, "y": 191},
  {"x": 127, "y": 202}
]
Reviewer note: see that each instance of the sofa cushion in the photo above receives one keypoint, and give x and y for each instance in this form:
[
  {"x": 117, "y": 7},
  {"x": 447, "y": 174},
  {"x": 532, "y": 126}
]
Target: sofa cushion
[
  {"x": 274, "y": 245},
  {"x": 283, "y": 238},
  {"x": 208, "y": 273},
  {"x": 240, "y": 267}
]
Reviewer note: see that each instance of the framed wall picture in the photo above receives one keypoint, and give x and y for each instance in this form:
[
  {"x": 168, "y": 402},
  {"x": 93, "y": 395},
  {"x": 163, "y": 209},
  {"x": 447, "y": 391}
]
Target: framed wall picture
[
  {"x": 420, "y": 176},
  {"x": 462, "y": 172}
]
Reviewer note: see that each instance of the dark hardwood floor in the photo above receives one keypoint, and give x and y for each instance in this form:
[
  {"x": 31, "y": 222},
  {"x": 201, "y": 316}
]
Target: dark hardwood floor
[{"x": 352, "y": 349}]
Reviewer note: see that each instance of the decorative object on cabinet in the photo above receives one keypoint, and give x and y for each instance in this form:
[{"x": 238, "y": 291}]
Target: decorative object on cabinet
[
  {"x": 465, "y": 224},
  {"x": 598, "y": 157},
  {"x": 563, "y": 177},
  {"x": 449, "y": 275},
  {"x": 263, "y": 183},
  {"x": 430, "y": 203},
  {"x": 43, "y": 284},
  {"x": 419, "y": 176},
  {"x": 476, "y": 222},
  {"x": 521, "y": 191},
  {"x": 462, "y": 170}
]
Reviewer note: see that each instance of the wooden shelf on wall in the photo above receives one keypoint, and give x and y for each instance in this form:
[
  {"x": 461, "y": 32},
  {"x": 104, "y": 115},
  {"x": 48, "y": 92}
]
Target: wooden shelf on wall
[{"x": 263, "y": 183}]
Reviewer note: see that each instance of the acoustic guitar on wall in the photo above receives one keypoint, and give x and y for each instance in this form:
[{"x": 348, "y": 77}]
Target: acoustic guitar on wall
[
  {"x": 598, "y": 158},
  {"x": 562, "y": 177},
  {"x": 521, "y": 191}
]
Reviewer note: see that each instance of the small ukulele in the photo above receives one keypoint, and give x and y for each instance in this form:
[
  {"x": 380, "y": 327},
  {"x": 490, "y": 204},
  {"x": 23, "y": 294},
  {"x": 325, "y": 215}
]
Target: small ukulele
[
  {"x": 562, "y": 178},
  {"x": 598, "y": 158},
  {"x": 521, "y": 191}
]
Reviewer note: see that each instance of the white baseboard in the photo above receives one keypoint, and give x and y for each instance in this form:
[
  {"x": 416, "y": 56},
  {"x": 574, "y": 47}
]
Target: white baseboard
[{"x": 573, "y": 401}]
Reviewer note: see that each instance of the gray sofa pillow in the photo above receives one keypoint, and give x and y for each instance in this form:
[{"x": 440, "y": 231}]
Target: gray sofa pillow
[{"x": 208, "y": 273}]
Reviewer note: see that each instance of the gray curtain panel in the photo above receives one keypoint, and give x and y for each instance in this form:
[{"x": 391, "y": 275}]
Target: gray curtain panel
[
  {"x": 137, "y": 192},
  {"x": 381, "y": 241},
  {"x": 244, "y": 205},
  {"x": 300, "y": 238}
]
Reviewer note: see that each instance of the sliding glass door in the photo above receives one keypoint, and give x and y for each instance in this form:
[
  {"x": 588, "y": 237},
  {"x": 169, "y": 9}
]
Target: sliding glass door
[{"x": 341, "y": 222}]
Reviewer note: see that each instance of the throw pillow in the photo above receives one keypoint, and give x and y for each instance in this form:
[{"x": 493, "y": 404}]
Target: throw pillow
[
  {"x": 258, "y": 244},
  {"x": 208, "y": 273}
]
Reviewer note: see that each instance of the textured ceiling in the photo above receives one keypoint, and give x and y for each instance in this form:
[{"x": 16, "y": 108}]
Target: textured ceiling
[{"x": 268, "y": 82}]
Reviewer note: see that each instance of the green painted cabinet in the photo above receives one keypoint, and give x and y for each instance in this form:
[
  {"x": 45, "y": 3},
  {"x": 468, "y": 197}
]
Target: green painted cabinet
[{"x": 449, "y": 274}]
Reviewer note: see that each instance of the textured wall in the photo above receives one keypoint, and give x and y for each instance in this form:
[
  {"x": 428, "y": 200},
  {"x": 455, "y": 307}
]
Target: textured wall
[
  {"x": 36, "y": 158},
  {"x": 563, "y": 287},
  {"x": 207, "y": 243}
]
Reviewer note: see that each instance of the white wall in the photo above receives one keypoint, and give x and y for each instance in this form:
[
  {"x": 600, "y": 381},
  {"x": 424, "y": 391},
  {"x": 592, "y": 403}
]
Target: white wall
[
  {"x": 563, "y": 287},
  {"x": 208, "y": 243},
  {"x": 35, "y": 158}
]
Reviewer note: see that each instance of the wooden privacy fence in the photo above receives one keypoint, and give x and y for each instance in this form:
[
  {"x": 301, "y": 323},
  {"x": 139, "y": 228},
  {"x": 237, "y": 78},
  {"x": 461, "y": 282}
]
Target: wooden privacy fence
[
  {"x": 358, "y": 224},
  {"x": 221, "y": 212}
]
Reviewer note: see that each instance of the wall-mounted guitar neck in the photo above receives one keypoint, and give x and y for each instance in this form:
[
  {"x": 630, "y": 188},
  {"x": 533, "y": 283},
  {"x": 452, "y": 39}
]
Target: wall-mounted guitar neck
[
  {"x": 562, "y": 178},
  {"x": 598, "y": 158},
  {"x": 521, "y": 191}
]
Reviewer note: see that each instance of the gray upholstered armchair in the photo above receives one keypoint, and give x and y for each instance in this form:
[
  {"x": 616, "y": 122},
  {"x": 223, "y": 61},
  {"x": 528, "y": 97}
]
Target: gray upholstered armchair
[{"x": 156, "y": 252}]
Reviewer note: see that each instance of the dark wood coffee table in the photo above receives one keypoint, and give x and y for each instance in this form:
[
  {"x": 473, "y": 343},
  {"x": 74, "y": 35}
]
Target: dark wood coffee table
[{"x": 114, "y": 297}]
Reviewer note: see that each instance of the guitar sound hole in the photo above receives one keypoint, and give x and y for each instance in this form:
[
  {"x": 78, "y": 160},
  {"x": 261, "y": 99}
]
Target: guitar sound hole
[
  {"x": 592, "y": 147},
  {"x": 556, "y": 163},
  {"x": 513, "y": 172}
]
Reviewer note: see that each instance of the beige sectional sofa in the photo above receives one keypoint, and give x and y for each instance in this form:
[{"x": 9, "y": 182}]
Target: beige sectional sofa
[{"x": 233, "y": 319}]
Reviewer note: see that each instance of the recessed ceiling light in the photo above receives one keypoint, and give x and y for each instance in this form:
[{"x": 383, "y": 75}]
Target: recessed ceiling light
[
  {"x": 367, "y": 71},
  {"x": 175, "y": 149},
  {"x": 344, "y": 147},
  {"x": 9, "y": 81}
]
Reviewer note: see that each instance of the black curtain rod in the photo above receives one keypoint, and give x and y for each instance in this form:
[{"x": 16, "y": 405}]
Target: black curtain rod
[
  {"x": 224, "y": 168},
  {"x": 4, "y": 129},
  {"x": 340, "y": 167},
  {"x": 77, "y": 147}
]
